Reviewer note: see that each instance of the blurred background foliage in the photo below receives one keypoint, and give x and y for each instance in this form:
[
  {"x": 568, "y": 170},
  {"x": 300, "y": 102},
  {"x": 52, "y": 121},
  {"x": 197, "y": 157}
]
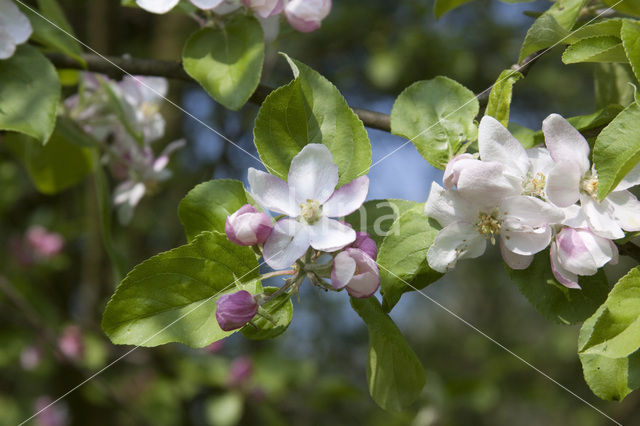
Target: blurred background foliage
[{"x": 315, "y": 374}]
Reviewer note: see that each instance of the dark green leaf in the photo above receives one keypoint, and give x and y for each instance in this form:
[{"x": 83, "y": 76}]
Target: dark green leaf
[
  {"x": 614, "y": 84},
  {"x": 377, "y": 216},
  {"x": 630, "y": 34}
]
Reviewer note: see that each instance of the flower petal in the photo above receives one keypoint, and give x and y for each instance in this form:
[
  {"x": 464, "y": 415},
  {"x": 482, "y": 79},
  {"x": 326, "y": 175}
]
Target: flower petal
[
  {"x": 344, "y": 267},
  {"x": 529, "y": 211},
  {"x": 347, "y": 199},
  {"x": 157, "y": 6},
  {"x": 456, "y": 241},
  {"x": 484, "y": 184},
  {"x": 330, "y": 235},
  {"x": 563, "y": 184},
  {"x": 514, "y": 260},
  {"x": 7, "y": 44},
  {"x": 206, "y": 4},
  {"x": 272, "y": 193},
  {"x": 526, "y": 242},
  {"x": 601, "y": 217},
  {"x": 626, "y": 210},
  {"x": 14, "y": 22},
  {"x": 287, "y": 243},
  {"x": 631, "y": 179},
  {"x": 496, "y": 143},
  {"x": 313, "y": 175},
  {"x": 540, "y": 159},
  {"x": 453, "y": 169},
  {"x": 565, "y": 143},
  {"x": 582, "y": 252},
  {"x": 564, "y": 277},
  {"x": 447, "y": 207}
]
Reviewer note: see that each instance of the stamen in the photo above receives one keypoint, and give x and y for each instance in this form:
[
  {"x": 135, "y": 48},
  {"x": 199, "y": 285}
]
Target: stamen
[
  {"x": 489, "y": 225},
  {"x": 311, "y": 211},
  {"x": 534, "y": 186}
]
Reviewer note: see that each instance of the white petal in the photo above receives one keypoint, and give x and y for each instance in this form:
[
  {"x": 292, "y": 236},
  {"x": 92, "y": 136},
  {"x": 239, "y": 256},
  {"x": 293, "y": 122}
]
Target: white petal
[
  {"x": 455, "y": 241},
  {"x": 565, "y": 143},
  {"x": 206, "y": 4},
  {"x": 347, "y": 199},
  {"x": 287, "y": 243},
  {"x": 574, "y": 217},
  {"x": 272, "y": 193},
  {"x": 313, "y": 175},
  {"x": 344, "y": 267},
  {"x": 7, "y": 44},
  {"x": 157, "y": 6},
  {"x": 529, "y": 211},
  {"x": 453, "y": 169},
  {"x": 513, "y": 260},
  {"x": 526, "y": 242},
  {"x": 485, "y": 185},
  {"x": 447, "y": 207},
  {"x": 541, "y": 161},
  {"x": 14, "y": 22},
  {"x": 564, "y": 277},
  {"x": 626, "y": 210},
  {"x": 631, "y": 179},
  {"x": 601, "y": 218},
  {"x": 582, "y": 252},
  {"x": 330, "y": 235},
  {"x": 496, "y": 143},
  {"x": 563, "y": 184}
]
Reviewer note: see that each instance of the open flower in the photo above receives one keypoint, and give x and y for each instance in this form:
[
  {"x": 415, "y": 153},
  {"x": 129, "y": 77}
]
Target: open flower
[
  {"x": 307, "y": 15},
  {"x": 573, "y": 179},
  {"x": 247, "y": 226},
  {"x": 310, "y": 199},
  {"x": 234, "y": 310},
  {"x": 15, "y": 28},
  {"x": 357, "y": 271}
]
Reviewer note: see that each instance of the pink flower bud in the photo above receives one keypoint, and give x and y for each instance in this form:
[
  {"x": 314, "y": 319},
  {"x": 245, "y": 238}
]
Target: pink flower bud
[
  {"x": 366, "y": 244},
  {"x": 306, "y": 15},
  {"x": 50, "y": 413},
  {"x": 240, "y": 371},
  {"x": 44, "y": 243},
  {"x": 265, "y": 8},
  {"x": 357, "y": 271},
  {"x": 248, "y": 227},
  {"x": 30, "y": 358},
  {"x": 71, "y": 343},
  {"x": 214, "y": 347},
  {"x": 235, "y": 310}
]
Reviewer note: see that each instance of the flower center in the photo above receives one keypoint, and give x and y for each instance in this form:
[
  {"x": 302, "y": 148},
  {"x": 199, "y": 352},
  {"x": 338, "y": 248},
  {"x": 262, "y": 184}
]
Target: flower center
[
  {"x": 534, "y": 186},
  {"x": 311, "y": 211},
  {"x": 589, "y": 185},
  {"x": 489, "y": 225},
  {"x": 149, "y": 109}
]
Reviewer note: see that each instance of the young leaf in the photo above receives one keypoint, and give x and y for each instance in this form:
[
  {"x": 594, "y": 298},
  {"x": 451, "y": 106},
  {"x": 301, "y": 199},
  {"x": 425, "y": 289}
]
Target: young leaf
[
  {"x": 275, "y": 319},
  {"x": 553, "y": 300},
  {"x": 440, "y": 7},
  {"x": 227, "y": 61},
  {"x": 310, "y": 110},
  {"x": 616, "y": 330},
  {"x": 630, "y": 34},
  {"x": 29, "y": 94},
  {"x": 614, "y": 84},
  {"x": 552, "y": 27},
  {"x": 206, "y": 207},
  {"x": 500, "y": 97},
  {"x": 631, "y": 7},
  {"x": 617, "y": 149},
  {"x": 394, "y": 372},
  {"x": 595, "y": 49},
  {"x": 437, "y": 116},
  {"x": 172, "y": 296},
  {"x": 608, "y": 27},
  {"x": 376, "y": 217},
  {"x": 402, "y": 257}
]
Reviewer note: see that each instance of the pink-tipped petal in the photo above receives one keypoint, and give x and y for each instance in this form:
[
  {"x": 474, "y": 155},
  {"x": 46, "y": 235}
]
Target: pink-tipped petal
[
  {"x": 453, "y": 169},
  {"x": 344, "y": 267},
  {"x": 313, "y": 175},
  {"x": 564, "y": 277},
  {"x": 287, "y": 243},
  {"x": 347, "y": 199},
  {"x": 565, "y": 143},
  {"x": 272, "y": 193},
  {"x": 330, "y": 235},
  {"x": 496, "y": 143}
]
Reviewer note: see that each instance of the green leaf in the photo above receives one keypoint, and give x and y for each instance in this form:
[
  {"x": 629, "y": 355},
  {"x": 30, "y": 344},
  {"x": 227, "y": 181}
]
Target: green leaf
[
  {"x": 403, "y": 256},
  {"x": 277, "y": 315},
  {"x": 206, "y": 207},
  {"x": 377, "y": 216},
  {"x": 524, "y": 135},
  {"x": 630, "y": 34},
  {"x": 499, "y": 102},
  {"x": 394, "y": 372},
  {"x": 437, "y": 116},
  {"x": 553, "y": 300},
  {"x": 54, "y": 30},
  {"x": 631, "y": 7},
  {"x": 614, "y": 84},
  {"x": 172, "y": 296},
  {"x": 441, "y": 7},
  {"x": 310, "y": 110},
  {"x": 58, "y": 165},
  {"x": 551, "y": 27},
  {"x": 595, "y": 49},
  {"x": 227, "y": 61},
  {"x": 617, "y": 149},
  {"x": 29, "y": 94},
  {"x": 608, "y": 27},
  {"x": 616, "y": 330}
]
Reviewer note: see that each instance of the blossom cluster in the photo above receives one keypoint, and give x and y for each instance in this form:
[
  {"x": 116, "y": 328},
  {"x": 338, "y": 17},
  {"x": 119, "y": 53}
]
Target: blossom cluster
[
  {"x": 15, "y": 28},
  {"x": 529, "y": 200},
  {"x": 125, "y": 118},
  {"x": 303, "y": 15},
  {"x": 306, "y": 234}
]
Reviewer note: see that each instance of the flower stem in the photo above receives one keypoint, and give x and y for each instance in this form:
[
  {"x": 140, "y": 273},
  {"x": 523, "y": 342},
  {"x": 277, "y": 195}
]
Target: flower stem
[{"x": 277, "y": 274}]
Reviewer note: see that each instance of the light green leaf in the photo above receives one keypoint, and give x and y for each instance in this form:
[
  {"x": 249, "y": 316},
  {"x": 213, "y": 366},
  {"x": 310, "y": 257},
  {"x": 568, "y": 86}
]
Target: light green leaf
[
  {"x": 54, "y": 30},
  {"x": 227, "y": 61},
  {"x": 551, "y": 27},
  {"x": 437, "y": 116},
  {"x": 608, "y": 27},
  {"x": 553, "y": 300},
  {"x": 630, "y": 34},
  {"x": 377, "y": 216},
  {"x": 616, "y": 331},
  {"x": 206, "y": 207},
  {"x": 631, "y": 7},
  {"x": 403, "y": 256},
  {"x": 29, "y": 94},
  {"x": 595, "y": 49},
  {"x": 441, "y": 7},
  {"x": 310, "y": 110},
  {"x": 617, "y": 149},
  {"x": 499, "y": 103},
  {"x": 58, "y": 165},
  {"x": 274, "y": 320},
  {"x": 172, "y": 296},
  {"x": 394, "y": 372}
]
